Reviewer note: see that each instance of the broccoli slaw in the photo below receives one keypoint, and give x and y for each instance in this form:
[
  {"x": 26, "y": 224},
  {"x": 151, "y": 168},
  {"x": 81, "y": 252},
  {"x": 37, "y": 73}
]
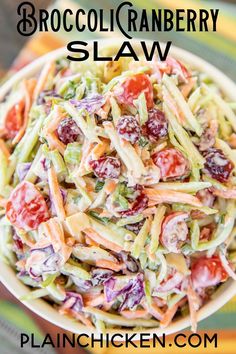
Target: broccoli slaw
[{"x": 117, "y": 190}]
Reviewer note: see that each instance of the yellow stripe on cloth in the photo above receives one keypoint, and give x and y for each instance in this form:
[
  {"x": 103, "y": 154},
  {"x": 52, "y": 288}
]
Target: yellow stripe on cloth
[{"x": 43, "y": 43}]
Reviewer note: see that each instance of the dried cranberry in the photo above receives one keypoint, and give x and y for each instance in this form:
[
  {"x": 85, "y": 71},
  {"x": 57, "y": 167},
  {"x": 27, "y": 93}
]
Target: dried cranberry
[
  {"x": 106, "y": 167},
  {"x": 68, "y": 131},
  {"x": 156, "y": 126},
  {"x": 135, "y": 227},
  {"x": 217, "y": 165},
  {"x": 129, "y": 129},
  {"x": 138, "y": 206}
]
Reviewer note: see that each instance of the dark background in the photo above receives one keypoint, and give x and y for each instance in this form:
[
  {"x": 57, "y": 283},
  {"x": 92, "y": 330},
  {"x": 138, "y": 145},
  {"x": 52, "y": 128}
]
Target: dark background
[{"x": 10, "y": 41}]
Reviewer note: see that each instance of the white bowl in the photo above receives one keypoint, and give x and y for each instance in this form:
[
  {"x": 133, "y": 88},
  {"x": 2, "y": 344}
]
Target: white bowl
[{"x": 41, "y": 307}]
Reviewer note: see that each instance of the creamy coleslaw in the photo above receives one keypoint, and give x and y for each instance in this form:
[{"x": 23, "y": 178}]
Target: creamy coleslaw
[{"x": 117, "y": 190}]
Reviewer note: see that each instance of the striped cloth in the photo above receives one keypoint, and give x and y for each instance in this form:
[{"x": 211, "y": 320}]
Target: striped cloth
[{"x": 217, "y": 48}]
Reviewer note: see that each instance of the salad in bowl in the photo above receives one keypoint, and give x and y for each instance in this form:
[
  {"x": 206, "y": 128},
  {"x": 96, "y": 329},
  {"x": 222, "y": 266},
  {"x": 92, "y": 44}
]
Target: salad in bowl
[{"x": 117, "y": 190}]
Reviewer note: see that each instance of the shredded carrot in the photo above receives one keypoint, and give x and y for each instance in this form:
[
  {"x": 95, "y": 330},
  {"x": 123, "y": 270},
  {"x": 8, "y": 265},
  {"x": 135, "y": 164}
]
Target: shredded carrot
[
  {"x": 153, "y": 309},
  {"x": 168, "y": 316},
  {"x": 138, "y": 149},
  {"x": 143, "y": 153},
  {"x": 232, "y": 141},
  {"x": 101, "y": 241},
  {"x": 96, "y": 301},
  {"x": 28, "y": 87},
  {"x": 172, "y": 106},
  {"x": 159, "y": 302},
  {"x": 110, "y": 187},
  {"x": 105, "y": 214},
  {"x": 54, "y": 232},
  {"x": 83, "y": 319},
  {"x": 91, "y": 295},
  {"x": 89, "y": 187},
  {"x": 141, "y": 313},
  {"x": 107, "y": 306},
  {"x": 79, "y": 316},
  {"x": 100, "y": 149},
  {"x": 56, "y": 193},
  {"x": 58, "y": 116},
  {"x": 90, "y": 242},
  {"x": 49, "y": 130},
  {"x": 70, "y": 241},
  {"x": 168, "y": 196},
  {"x": 54, "y": 143},
  {"x": 103, "y": 263},
  {"x": 187, "y": 88},
  {"x": 21, "y": 264},
  {"x": 156, "y": 311},
  {"x": 4, "y": 149},
  {"x": 226, "y": 194},
  {"x": 86, "y": 151},
  {"x": 104, "y": 110},
  {"x": 42, "y": 80},
  {"x": 152, "y": 256},
  {"x": 193, "y": 301}
]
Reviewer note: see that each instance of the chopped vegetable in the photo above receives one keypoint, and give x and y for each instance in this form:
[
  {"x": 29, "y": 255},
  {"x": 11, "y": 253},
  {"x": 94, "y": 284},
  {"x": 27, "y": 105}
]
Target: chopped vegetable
[{"x": 118, "y": 189}]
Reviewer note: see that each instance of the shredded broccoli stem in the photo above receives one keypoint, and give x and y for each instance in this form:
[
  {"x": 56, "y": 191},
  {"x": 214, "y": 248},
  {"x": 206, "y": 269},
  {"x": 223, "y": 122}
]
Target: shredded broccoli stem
[
  {"x": 180, "y": 101},
  {"x": 115, "y": 110},
  {"x": 195, "y": 234},
  {"x": 162, "y": 267},
  {"x": 195, "y": 158},
  {"x": 75, "y": 270},
  {"x": 188, "y": 187},
  {"x": 25, "y": 147},
  {"x": 223, "y": 106},
  {"x": 140, "y": 240},
  {"x": 141, "y": 105},
  {"x": 112, "y": 181},
  {"x": 156, "y": 228}
]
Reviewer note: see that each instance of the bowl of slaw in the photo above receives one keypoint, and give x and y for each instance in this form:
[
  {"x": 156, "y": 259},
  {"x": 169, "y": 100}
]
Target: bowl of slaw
[{"x": 117, "y": 192}]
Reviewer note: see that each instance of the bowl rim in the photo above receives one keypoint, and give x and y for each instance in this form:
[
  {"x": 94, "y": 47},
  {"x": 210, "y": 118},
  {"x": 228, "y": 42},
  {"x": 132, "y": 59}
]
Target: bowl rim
[{"x": 40, "y": 306}]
